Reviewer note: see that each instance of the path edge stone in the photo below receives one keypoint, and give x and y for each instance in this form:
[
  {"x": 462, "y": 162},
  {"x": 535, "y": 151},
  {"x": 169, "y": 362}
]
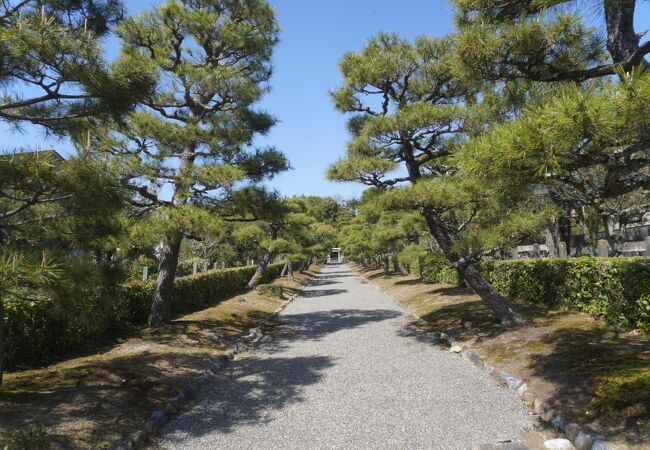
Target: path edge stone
[
  {"x": 582, "y": 438},
  {"x": 160, "y": 417}
]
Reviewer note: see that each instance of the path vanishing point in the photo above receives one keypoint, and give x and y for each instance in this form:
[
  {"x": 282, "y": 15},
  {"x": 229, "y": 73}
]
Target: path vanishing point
[{"x": 344, "y": 370}]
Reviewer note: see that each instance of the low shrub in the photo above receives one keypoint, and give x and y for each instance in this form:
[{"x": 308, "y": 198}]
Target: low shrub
[
  {"x": 435, "y": 269},
  {"x": 614, "y": 289},
  {"x": 46, "y": 328},
  {"x": 270, "y": 290}
]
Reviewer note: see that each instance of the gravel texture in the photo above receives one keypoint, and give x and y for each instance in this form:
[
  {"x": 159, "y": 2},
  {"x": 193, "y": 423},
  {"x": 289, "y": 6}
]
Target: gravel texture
[{"x": 345, "y": 370}]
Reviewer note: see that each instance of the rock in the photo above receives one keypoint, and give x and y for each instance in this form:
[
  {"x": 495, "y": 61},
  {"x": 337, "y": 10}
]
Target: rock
[
  {"x": 539, "y": 406},
  {"x": 600, "y": 444},
  {"x": 558, "y": 422},
  {"x": 138, "y": 439},
  {"x": 513, "y": 383},
  {"x": 473, "y": 358},
  {"x": 528, "y": 397},
  {"x": 456, "y": 349},
  {"x": 547, "y": 414},
  {"x": 583, "y": 440},
  {"x": 571, "y": 431},
  {"x": 170, "y": 409},
  {"x": 159, "y": 418},
  {"x": 521, "y": 390},
  {"x": 558, "y": 444}
]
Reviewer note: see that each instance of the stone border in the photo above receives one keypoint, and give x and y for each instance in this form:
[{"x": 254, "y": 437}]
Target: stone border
[
  {"x": 581, "y": 438},
  {"x": 174, "y": 406}
]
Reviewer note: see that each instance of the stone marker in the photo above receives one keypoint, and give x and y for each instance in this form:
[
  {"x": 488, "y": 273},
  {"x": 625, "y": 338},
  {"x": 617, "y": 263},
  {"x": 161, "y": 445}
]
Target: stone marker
[
  {"x": 562, "y": 249},
  {"x": 515, "y": 253},
  {"x": 195, "y": 267},
  {"x": 647, "y": 246},
  {"x": 603, "y": 248},
  {"x": 205, "y": 266},
  {"x": 535, "y": 250},
  {"x": 145, "y": 273}
]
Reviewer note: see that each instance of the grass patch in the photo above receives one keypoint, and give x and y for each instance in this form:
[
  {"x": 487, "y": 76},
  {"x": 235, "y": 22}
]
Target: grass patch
[
  {"x": 590, "y": 371},
  {"x": 94, "y": 400}
]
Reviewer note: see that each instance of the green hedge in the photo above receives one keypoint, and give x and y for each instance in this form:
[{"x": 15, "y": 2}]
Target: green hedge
[
  {"x": 614, "y": 289},
  {"x": 44, "y": 330},
  {"x": 435, "y": 269}
]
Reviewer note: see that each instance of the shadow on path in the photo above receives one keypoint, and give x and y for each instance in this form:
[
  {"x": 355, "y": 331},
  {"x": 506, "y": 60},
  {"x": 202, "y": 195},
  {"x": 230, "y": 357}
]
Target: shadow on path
[{"x": 254, "y": 389}]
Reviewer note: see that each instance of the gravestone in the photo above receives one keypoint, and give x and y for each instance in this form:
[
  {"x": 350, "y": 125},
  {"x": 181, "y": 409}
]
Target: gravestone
[
  {"x": 195, "y": 267},
  {"x": 514, "y": 253},
  {"x": 562, "y": 253},
  {"x": 603, "y": 248},
  {"x": 145, "y": 273}
]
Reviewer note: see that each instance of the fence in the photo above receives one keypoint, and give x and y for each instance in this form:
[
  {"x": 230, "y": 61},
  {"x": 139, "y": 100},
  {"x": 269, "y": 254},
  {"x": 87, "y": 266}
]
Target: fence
[{"x": 638, "y": 248}]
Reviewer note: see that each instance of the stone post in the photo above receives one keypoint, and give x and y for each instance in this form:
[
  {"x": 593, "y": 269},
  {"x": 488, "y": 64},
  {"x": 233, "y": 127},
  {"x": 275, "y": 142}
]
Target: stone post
[
  {"x": 514, "y": 253},
  {"x": 603, "y": 248},
  {"x": 562, "y": 253},
  {"x": 195, "y": 267},
  {"x": 647, "y": 246},
  {"x": 145, "y": 273},
  {"x": 205, "y": 266},
  {"x": 535, "y": 250},
  {"x": 223, "y": 264},
  {"x": 216, "y": 266}
]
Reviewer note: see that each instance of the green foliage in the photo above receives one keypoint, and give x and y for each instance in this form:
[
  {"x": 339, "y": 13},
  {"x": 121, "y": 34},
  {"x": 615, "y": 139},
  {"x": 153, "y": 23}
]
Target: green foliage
[
  {"x": 614, "y": 289},
  {"x": 412, "y": 256},
  {"x": 270, "y": 290},
  {"x": 76, "y": 315},
  {"x": 436, "y": 269},
  {"x": 52, "y": 55}
]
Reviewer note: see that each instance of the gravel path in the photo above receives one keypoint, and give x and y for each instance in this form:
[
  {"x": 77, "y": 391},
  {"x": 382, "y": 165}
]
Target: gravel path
[{"x": 344, "y": 371}]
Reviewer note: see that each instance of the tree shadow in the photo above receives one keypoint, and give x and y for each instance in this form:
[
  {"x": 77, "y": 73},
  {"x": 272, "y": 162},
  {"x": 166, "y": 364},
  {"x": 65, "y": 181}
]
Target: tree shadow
[
  {"x": 322, "y": 292},
  {"x": 110, "y": 396},
  {"x": 599, "y": 371},
  {"x": 252, "y": 391},
  {"x": 260, "y": 384}
]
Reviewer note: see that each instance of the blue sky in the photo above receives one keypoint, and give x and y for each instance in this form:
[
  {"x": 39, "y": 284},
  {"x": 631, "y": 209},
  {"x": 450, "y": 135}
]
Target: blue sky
[{"x": 314, "y": 36}]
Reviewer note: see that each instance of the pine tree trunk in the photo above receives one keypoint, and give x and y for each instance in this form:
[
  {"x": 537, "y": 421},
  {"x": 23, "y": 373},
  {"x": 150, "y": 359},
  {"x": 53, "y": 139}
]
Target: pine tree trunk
[
  {"x": 261, "y": 267},
  {"x": 386, "y": 264},
  {"x": 622, "y": 40},
  {"x": 305, "y": 264},
  {"x": 472, "y": 277},
  {"x": 2, "y": 338},
  {"x": 161, "y": 306}
]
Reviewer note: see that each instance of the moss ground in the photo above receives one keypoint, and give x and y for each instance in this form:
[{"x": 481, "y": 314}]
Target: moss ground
[
  {"x": 588, "y": 370},
  {"x": 94, "y": 400}
]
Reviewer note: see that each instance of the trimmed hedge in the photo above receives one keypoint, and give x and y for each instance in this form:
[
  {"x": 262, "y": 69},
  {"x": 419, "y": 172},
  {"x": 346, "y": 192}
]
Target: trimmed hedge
[
  {"x": 614, "y": 289},
  {"x": 435, "y": 269},
  {"x": 41, "y": 331}
]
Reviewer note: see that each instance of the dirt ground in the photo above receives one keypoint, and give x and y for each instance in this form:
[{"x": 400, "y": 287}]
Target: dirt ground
[
  {"x": 589, "y": 371},
  {"x": 94, "y": 400}
]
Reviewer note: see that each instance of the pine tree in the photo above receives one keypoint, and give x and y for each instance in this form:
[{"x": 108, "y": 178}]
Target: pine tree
[
  {"x": 408, "y": 112},
  {"x": 213, "y": 63},
  {"x": 51, "y": 59},
  {"x": 545, "y": 40}
]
